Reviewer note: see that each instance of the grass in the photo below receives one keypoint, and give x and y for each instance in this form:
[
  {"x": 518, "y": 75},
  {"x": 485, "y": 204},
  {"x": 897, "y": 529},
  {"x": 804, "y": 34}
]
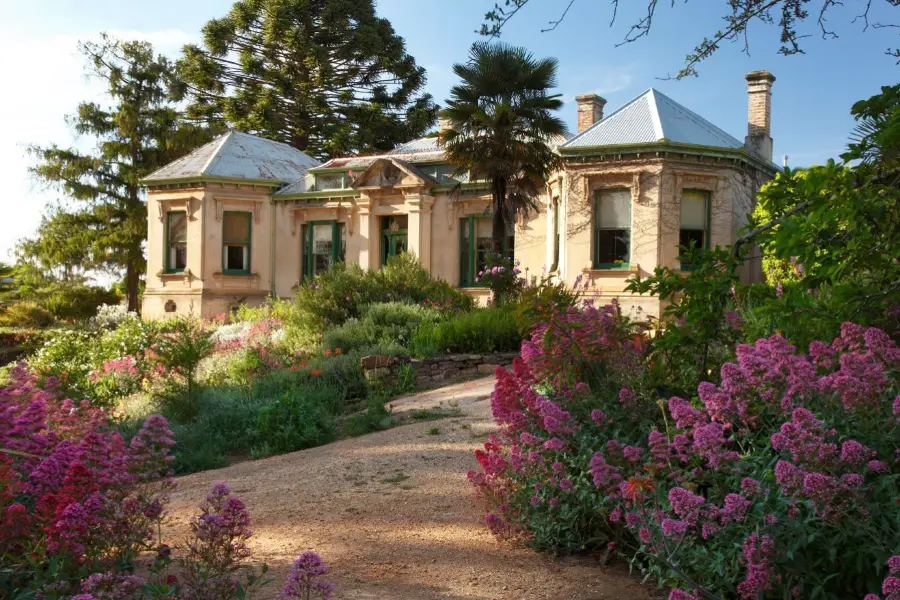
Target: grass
[
  {"x": 434, "y": 431},
  {"x": 396, "y": 477}
]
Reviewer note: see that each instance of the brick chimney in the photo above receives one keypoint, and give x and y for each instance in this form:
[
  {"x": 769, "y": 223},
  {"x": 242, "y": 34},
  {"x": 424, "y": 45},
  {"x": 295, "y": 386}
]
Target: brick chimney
[
  {"x": 590, "y": 110},
  {"x": 759, "y": 113}
]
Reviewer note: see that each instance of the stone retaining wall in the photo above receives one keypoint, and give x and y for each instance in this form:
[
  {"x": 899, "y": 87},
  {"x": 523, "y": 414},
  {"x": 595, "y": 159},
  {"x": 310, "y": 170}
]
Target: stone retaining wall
[{"x": 436, "y": 368}]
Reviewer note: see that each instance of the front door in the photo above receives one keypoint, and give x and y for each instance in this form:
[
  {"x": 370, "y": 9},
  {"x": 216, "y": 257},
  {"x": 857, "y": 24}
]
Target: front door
[{"x": 393, "y": 237}]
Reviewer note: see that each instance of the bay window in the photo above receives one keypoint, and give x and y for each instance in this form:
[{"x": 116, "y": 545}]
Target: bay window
[
  {"x": 176, "y": 242},
  {"x": 694, "y": 228}
]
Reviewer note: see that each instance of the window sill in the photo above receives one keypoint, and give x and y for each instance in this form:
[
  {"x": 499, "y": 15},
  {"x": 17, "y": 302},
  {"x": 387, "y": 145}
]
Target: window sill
[
  {"x": 236, "y": 275},
  {"x": 604, "y": 271},
  {"x": 179, "y": 273}
]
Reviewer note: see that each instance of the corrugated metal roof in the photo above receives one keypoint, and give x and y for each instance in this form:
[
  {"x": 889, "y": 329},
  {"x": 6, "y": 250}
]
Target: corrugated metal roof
[
  {"x": 425, "y": 144},
  {"x": 239, "y": 156},
  {"x": 650, "y": 118}
]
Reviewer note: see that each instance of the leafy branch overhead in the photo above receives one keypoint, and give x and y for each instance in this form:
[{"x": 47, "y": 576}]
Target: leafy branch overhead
[{"x": 789, "y": 16}]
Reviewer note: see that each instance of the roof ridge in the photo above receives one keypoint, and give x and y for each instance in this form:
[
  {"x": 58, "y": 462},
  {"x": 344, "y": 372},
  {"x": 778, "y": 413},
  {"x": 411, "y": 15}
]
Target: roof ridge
[
  {"x": 699, "y": 119},
  {"x": 609, "y": 116},
  {"x": 215, "y": 152},
  {"x": 654, "y": 114}
]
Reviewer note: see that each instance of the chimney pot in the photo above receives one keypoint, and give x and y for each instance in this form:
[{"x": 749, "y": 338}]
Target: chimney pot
[
  {"x": 759, "y": 113},
  {"x": 590, "y": 110}
]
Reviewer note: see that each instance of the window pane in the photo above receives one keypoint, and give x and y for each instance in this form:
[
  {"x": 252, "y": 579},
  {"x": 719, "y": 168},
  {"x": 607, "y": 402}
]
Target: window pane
[
  {"x": 693, "y": 210},
  {"x": 342, "y": 239},
  {"x": 613, "y": 246},
  {"x": 237, "y": 227},
  {"x": 331, "y": 181},
  {"x": 236, "y": 258},
  {"x": 466, "y": 276},
  {"x": 484, "y": 242},
  {"x": 178, "y": 257},
  {"x": 615, "y": 209},
  {"x": 688, "y": 236},
  {"x": 177, "y": 227}
]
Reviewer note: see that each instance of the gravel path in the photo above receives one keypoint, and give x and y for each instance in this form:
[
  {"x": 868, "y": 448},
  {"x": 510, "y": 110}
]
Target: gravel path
[{"x": 393, "y": 515}]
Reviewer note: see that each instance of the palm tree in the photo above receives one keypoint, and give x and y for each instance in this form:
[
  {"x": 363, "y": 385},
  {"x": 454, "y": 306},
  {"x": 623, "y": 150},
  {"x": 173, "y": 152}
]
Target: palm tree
[{"x": 502, "y": 126}]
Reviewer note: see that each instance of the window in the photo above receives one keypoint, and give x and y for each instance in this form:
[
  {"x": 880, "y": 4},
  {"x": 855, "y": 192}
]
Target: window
[
  {"x": 556, "y": 230},
  {"x": 236, "y": 242},
  {"x": 441, "y": 173},
  {"x": 394, "y": 234},
  {"x": 475, "y": 243},
  {"x": 176, "y": 242},
  {"x": 324, "y": 244},
  {"x": 694, "y": 221},
  {"x": 612, "y": 224},
  {"x": 331, "y": 181}
]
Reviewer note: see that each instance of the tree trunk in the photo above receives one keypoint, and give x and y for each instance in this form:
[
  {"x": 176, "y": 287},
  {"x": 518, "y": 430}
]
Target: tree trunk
[
  {"x": 498, "y": 193},
  {"x": 131, "y": 286}
]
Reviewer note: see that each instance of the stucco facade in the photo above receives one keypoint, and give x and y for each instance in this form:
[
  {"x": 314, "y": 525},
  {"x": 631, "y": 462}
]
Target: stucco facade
[{"x": 242, "y": 219}]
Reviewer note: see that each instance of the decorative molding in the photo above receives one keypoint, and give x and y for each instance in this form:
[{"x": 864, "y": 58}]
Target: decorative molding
[
  {"x": 186, "y": 276},
  {"x": 168, "y": 204},
  {"x": 222, "y": 201}
]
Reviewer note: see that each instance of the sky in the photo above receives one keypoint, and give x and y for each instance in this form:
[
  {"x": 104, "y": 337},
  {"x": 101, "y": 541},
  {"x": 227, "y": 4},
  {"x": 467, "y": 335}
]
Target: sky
[{"x": 811, "y": 97}]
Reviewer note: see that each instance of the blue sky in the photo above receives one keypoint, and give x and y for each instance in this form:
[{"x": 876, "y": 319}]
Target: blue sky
[{"x": 811, "y": 101}]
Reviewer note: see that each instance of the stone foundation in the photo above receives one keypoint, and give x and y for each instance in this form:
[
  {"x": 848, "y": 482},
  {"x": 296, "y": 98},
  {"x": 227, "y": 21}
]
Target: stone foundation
[{"x": 436, "y": 368}]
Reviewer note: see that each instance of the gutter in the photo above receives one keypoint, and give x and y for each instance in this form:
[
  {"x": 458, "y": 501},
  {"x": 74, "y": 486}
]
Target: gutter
[
  {"x": 210, "y": 179},
  {"x": 665, "y": 146}
]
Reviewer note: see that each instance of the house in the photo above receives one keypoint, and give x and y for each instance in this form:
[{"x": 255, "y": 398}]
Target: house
[{"x": 243, "y": 218}]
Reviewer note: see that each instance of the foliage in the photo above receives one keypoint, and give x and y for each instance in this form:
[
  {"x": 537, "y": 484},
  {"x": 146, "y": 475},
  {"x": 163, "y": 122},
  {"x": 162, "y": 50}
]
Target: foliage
[
  {"x": 541, "y": 298},
  {"x": 503, "y": 276},
  {"x": 327, "y": 78},
  {"x": 503, "y": 127},
  {"x": 698, "y": 330},
  {"x": 759, "y": 487},
  {"x": 106, "y": 224},
  {"x": 481, "y": 330},
  {"x": 340, "y": 293},
  {"x": 385, "y": 328},
  {"x": 67, "y": 357},
  {"x": 25, "y": 314},
  {"x": 789, "y": 16},
  {"x": 298, "y": 418},
  {"x": 375, "y": 418},
  {"x": 179, "y": 353}
]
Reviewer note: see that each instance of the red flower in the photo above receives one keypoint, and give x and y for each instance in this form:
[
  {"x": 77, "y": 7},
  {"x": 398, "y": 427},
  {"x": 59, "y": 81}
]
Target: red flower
[
  {"x": 315, "y": 372},
  {"x": 634, "y": 487}
]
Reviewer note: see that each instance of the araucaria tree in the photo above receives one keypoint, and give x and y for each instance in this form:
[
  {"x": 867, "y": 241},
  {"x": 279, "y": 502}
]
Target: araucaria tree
[
  {"x": 139, "y": 133},
  {"x": 328, "y": 77},
  {"x": 503, "y": 126}
]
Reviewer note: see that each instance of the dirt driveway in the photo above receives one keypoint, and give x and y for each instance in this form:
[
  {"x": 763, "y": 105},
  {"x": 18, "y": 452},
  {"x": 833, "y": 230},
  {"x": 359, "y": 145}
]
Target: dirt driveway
[{"x": 393, "y": 515}]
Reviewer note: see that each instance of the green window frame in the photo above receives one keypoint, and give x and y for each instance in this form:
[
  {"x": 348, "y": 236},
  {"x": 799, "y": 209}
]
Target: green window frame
[
  {"x": 472, "y": 254},
  {"x": 612, "y": 228},
  {"x": 334, "y": 255},
  {"x": 236, "y": 245},
  {"x": 175, "y": 258},
  {"x": 694, "y": 221}
]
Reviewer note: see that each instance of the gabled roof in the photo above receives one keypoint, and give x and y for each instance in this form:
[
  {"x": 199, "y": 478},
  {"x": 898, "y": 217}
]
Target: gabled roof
[
  {"x": 650, "y": 118},
  {"x": 402, "y": 165},
  {"x": 236, "y": 155}
]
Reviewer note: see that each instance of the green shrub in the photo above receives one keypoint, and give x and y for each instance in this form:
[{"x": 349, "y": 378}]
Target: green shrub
[
  {"x": 375, "y": 418},
  {"x": 25, "y": 314},
  {"x": 539, "y": 299},
  {"x": 387, "y": 326},
  {"x": 298, "y": 418},
  {"x": 180, "y": 353},
  {"x": 69, "y": 356},
  {"x": 76, "y": 302},
  {"x": 339, "y": 294},
  {"x": 483, "y": 330}
]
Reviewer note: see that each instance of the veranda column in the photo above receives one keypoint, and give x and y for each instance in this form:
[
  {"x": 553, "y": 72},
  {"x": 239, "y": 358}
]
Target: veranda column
[
  {"x": 419, "y": 228},
  {"x": 368, "y": 244}
]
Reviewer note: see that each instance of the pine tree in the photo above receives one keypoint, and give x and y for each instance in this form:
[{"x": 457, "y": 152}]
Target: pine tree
[
  {"x": 328, "y": 77},
  {"x": 141, "y": 131}
]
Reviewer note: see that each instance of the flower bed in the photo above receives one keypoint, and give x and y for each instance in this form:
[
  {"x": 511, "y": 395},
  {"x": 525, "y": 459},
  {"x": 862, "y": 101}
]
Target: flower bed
[{"x": 779, "y": 482}]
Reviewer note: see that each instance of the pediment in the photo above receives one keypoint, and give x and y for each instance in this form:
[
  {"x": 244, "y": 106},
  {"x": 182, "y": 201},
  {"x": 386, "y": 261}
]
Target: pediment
[{"x": 391, "y": 173}]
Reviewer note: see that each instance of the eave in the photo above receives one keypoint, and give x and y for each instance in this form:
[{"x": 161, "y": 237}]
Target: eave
[
  {"x": 666, "y": 147},
  {"x": 317, "y": 195},
  {"x": 181, "y": 181}
]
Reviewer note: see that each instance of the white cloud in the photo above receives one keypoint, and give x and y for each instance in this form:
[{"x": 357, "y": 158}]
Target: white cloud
[
  {"x": 47, "y": 83},
  {"x": 598, "y": 79}
]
